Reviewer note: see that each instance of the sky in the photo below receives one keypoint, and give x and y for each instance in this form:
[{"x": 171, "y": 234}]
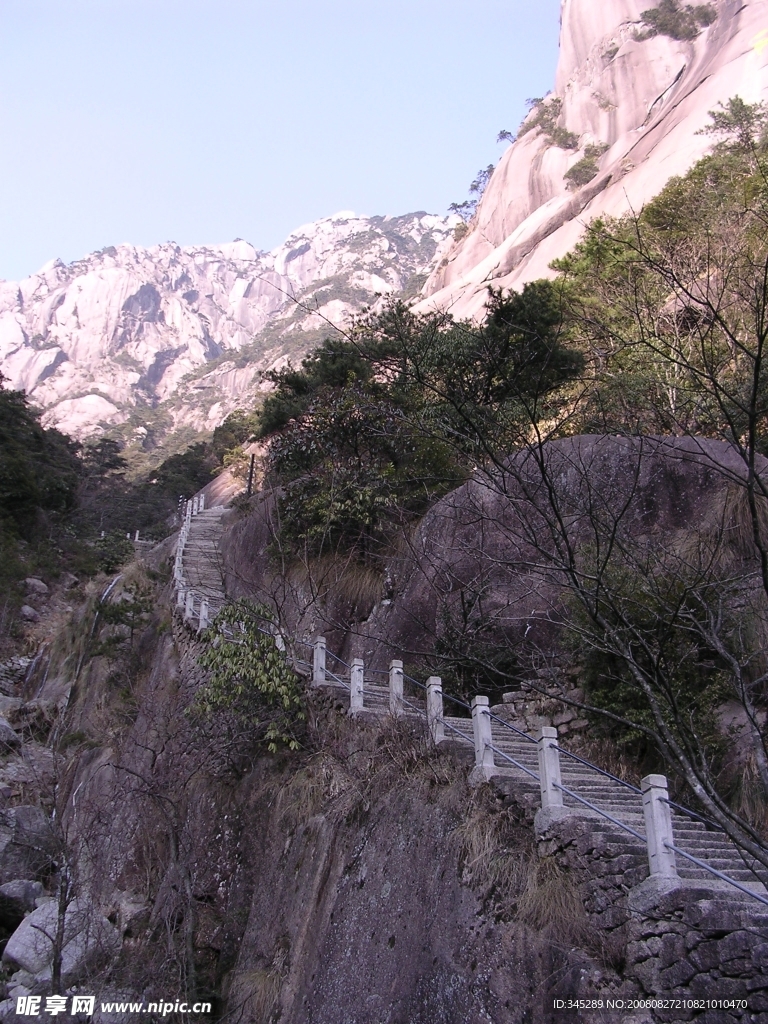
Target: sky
[{"x": 202, "y": 121}]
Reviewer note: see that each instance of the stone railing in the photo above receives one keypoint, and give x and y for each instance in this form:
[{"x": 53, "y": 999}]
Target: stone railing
[
  {"x": 388, "y": 697},
  {"x": 187, "y": 601},
  {"x": 661, "y": 849}
]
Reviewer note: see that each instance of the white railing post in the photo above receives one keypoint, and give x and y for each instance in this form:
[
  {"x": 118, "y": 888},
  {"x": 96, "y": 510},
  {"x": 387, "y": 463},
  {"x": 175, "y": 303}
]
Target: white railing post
[
  {"x": 481, "y": 727},
  {"x": 318, "y": 662},
  {"x": 136, "y": 537},
  {"x": 202, "y": 503},
  {"x": 396, "y": 688},
  {"x": 435, "y": 709},
  {"x": 187, "y": 513},
  {"x": 189, "y": 607},
  {"x": 356, "y": 685},
  {"x": 181, "y": 597},
  {"x": 203, "y": 622},
  {"x": 549, "y": 769},
  {"x": 658, "y": 826}
]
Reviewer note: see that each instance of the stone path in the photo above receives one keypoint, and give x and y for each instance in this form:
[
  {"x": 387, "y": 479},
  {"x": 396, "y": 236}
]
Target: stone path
[
  {"x": 201, "y": 563},
  {"x": 201, "y": 569},
  {"x": 624, "y": 804}
]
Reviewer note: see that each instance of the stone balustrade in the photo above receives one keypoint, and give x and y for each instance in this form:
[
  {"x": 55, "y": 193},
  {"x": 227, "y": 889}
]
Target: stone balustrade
[{"x": 425, "y": 700}]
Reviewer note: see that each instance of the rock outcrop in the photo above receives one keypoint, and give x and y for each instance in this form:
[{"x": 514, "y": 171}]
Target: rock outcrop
[
  {"x": 634, "y": 103},
  {"x": 185, "y": 332}
]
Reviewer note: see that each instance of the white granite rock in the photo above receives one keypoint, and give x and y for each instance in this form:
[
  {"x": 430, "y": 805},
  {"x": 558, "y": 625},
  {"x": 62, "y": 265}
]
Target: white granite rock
[
  {"x": 125, "y": 326},
  {"x": 644, "y": 99},
  {"x": 35, "y": 585},
  {"x": 87, "y": 934}
]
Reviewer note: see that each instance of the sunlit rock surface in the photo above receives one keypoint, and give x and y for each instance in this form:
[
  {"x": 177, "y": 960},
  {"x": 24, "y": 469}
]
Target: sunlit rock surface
[{"x": 644, "y": 99}]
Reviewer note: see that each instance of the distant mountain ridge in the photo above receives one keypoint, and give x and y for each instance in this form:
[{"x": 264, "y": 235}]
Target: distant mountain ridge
[{"x": 165, "y": 341}]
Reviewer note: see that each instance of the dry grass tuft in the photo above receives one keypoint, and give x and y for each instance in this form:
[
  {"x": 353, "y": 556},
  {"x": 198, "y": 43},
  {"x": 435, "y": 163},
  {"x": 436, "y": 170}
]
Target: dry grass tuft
[
  {"x": 341, "y": 582},
  {"x": 312, "y": 788},
  {"x": 748, "y": 794},
  {"x": 552, "y": 905},
  {"x": 261, "y": 990},
  {"x": 489, "y": 861},
  {"x": 606, "y": 754}
]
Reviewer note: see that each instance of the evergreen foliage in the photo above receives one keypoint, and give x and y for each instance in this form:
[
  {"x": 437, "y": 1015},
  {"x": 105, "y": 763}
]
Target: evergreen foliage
[
  {"x": 468, "y": 208},
  {"x": 250, "y": 680},
  {"x": 545, "y": 115},
  {"x": 679, "y": 21},
  {"x": 584, "y": 170},
  {"x": 372, "y": 429},
  {"x": 39, "y": 468}
]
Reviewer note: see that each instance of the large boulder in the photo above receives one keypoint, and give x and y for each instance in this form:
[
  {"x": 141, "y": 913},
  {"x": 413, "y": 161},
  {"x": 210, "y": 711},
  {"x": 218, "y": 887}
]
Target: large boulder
[
  {"x": 22, "y": 894},
  {"x": 88, "y": 936},
  {"x": 496, "y": 549},
  {"x": 35, "y": 586},
  {"x": 27, "y": 843},
  {"x": 9, "y": 738}
]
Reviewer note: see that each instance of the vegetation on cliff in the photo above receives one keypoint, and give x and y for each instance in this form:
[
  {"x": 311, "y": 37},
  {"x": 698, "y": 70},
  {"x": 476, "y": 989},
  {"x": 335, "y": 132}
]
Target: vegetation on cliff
[
  {"x": 374, "y": 428},
  {"x": 66, "y": 507},
  {"x": 654, "y": 327}
]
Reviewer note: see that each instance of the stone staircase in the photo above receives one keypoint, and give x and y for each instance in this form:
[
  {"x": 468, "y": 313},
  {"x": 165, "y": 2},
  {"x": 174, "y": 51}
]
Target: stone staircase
[
  {"x": 200, "y": 562},
  {"x": 202, "y": 575},
  {"x": 622, "y": 803}
]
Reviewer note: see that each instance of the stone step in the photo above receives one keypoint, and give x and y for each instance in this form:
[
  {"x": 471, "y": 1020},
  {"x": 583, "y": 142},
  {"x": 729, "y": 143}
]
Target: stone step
[{"x": 202, "y": 574}]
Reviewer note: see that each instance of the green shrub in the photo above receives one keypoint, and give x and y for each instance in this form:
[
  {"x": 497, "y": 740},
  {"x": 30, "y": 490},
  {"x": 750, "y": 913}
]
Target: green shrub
[
  {"x": 545, "y": 117},
  {"x": 678, "y": 22},
  {"x": 250, "y": 680},
  {"x": 585, "y": 169}
]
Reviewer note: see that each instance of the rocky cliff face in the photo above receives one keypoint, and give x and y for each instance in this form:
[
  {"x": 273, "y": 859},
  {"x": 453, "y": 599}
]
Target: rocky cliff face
[
  {"x": 186, "y": 331},
  {"x": 633, "y": 103}
]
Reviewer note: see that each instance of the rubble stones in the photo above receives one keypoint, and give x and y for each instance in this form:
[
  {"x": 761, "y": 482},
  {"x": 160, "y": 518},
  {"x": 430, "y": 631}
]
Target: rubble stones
[
  {"x": 12, "y": 672},
  {"x": 9, "y": 739},
  {"x": 35, "y": 586}
]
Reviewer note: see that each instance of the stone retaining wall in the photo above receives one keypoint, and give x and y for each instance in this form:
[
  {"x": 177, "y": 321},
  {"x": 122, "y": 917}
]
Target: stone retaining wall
[{"x": 691, "y": 942}]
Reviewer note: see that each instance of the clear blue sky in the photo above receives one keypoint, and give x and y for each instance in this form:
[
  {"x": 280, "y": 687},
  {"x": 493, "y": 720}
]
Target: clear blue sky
[{"x": 207, "y": 120}]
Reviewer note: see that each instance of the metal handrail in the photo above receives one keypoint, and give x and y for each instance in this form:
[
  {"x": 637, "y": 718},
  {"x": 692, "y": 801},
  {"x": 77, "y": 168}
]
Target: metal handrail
[
  {"x": 511, "y": 760},
  {"x": 304, "y": 643},
  {"x": 501, "y": 753},
  {"x": 718, "y": 874},
  {"x": 338, "y": 679},
  {"x": 337, "y": 658},
  {"x": 609, "y": 775},
  {"x": 696, "y": 815},
  {"x": 605, "y": 814},
  {"x": 452, "y": 728},
  {"x": 513, "y": 728},
  {"x": 570, "y": 793},
  {"x": 568, "y": 753}
]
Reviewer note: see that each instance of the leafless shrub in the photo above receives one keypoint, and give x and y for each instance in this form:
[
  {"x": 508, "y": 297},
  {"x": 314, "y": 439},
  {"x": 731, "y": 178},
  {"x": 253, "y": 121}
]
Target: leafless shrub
[
  {"x": 488, "y": 862},
  {"x": 551, "y": 904}
]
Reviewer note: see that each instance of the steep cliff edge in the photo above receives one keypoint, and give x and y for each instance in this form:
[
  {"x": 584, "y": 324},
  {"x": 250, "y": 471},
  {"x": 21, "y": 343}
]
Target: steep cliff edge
[
  {"x": 359, "y": 879},
  {"x": 634, "y": 102}
]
